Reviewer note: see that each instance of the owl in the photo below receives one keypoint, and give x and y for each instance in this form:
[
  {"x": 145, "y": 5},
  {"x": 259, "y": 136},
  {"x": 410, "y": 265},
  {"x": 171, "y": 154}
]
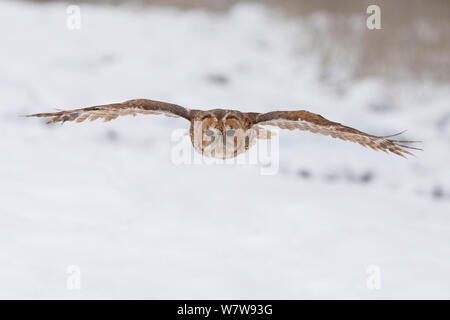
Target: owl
[{"x": 224, "y": 133}]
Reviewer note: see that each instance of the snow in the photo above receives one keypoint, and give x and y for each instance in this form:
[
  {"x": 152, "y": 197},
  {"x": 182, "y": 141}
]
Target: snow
[{"x": 107, "y": 197}]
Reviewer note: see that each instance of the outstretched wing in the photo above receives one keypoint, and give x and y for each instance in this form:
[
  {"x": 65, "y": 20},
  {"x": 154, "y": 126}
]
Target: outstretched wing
[
  {"x": 315, "y": 123},
  {"x": 111, "y": 111}
]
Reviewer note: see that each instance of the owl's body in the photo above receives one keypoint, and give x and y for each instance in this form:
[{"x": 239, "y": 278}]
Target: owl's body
[{"x": 223, "y": 133}]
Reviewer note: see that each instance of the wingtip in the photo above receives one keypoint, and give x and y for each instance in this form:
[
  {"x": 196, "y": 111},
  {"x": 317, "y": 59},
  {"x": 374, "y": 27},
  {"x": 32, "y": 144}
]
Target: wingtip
[
  {"x": 26, "y": 115},
  {"x": 395, "y": 134}
]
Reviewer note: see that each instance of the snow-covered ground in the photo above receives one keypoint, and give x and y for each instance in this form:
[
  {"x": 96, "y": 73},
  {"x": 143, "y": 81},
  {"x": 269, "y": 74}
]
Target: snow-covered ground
[{"x": 107, "y": 198}]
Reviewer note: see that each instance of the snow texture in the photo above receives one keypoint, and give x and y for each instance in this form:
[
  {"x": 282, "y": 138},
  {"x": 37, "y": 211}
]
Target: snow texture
[{"x": 106, "y": 197}]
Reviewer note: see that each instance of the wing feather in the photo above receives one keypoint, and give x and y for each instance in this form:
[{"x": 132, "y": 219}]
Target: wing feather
[
  {"x": 305, "y": 120},
  {"x": 109, "y": 112}
]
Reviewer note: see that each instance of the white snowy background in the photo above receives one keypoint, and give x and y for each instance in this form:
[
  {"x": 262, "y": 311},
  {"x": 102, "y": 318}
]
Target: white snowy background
[{"x": 107, "y": 197}]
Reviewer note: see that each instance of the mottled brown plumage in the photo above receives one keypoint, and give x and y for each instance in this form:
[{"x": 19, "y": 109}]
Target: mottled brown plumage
[{"x": 223, "y": 133}]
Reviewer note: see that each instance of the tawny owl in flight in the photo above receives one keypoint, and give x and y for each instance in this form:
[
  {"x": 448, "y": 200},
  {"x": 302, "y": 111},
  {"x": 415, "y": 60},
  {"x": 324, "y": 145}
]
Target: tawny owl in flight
[{"x": 223, "y": 133}]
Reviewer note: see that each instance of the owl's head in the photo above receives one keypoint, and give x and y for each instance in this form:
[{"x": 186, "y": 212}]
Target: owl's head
[{"x": 220, "y": 134}]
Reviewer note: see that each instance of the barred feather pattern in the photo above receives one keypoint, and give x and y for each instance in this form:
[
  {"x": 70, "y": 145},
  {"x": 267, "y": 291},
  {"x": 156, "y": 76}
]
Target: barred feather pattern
[
  {"x": 303, "y": 120},
  {"x": 112, "y": 111},
  {"x": 315, "y": 123}
]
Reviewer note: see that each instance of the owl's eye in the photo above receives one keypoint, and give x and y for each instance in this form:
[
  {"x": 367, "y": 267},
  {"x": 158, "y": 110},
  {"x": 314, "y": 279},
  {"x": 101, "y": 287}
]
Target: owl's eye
[
  {"x": 209, "y": 133},
  {"x": 230, "y": 132}
]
